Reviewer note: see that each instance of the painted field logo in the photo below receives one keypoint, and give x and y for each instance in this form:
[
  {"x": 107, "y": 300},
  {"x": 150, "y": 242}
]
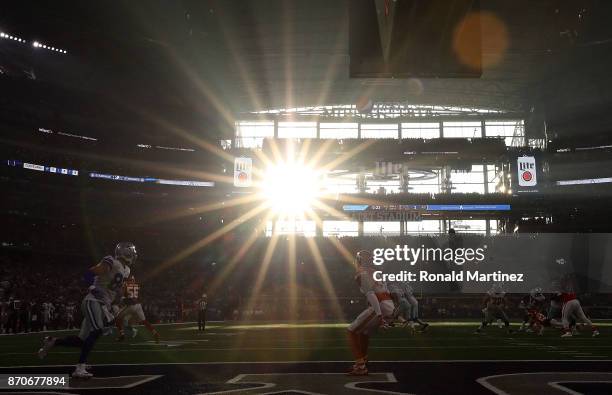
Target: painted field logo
[{"x": 527, "y": 176}]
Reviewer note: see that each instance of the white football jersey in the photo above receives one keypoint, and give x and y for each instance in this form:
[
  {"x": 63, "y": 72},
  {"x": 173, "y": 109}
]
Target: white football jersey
[
  {"x": 407, "y": 288},
  {"x": 367, "y": 283},
  {"x": 395, "y": 288},
  {"x": 106, "y": 286}
]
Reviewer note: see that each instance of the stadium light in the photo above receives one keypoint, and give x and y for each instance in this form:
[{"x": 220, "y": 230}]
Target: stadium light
[
  {"x": 290, "y": 188},
  {"x": 11, "y": 37},
  {"x": 37, "y": 44}
]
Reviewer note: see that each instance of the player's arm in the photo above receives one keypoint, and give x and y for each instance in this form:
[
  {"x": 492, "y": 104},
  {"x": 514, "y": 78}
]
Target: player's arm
[
  {"x": 103, "y": 267},
  {"x": 367, "y": 287},
  {"x": 373, "y": 300},
  {"x": 485, "y": 302}
]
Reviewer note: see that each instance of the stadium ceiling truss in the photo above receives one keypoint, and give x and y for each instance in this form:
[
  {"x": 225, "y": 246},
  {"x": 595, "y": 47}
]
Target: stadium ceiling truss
[{"x": 380, "y": 111}]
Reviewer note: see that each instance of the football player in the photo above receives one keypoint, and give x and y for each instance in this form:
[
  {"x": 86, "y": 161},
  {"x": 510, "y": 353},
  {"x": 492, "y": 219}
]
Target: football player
[
  {"x": 554, "y": 315},
  {"x": 70, "y": 311},
  {"x": 406, "y": 305},
  {"x": 375, "y": 316},
  {"x": 132, "y": 312},
  {"x": 110, "y": 275},
  {"x": 494, "y": 307},
  {"x": 532, "y": 304},
  {"x": 202, "y": 306},
  {"x": 572, "y": 311},
  {"x": 402, "y": 307}
]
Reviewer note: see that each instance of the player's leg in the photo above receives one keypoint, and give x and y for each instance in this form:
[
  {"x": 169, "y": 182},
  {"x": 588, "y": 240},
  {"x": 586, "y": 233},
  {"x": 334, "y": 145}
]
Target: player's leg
[
  {"x": 581, "y": 317},
  {"x": 140, "y": 317},
  {"x": 358, "y": 334},
  {"x": 91, "y": 329},
  {"x": 538, "y": 327},
  {"x": 120, "y": 320},
  {"x": 414, "y": 312},
  {"x": 129, "y": 318},
  {"x": 554, "y": 316},
  {"x": 355, "y": 330},
  {"x": 128, "y": 324},
  {"x": 367, "y": 327},
  {"x": 568, "y": 314},
  {"x": 398, "y": 314},
  {"x": 501, "y": 314},
  {"x": 68, "y": 341},
  {"x": 96, "y": 317},
  {"x": 403, "y": 309},
  {"x": 526, "y": 321},
  {"x": 364, "y": 344},
  {"x": 487, "y": 318}
]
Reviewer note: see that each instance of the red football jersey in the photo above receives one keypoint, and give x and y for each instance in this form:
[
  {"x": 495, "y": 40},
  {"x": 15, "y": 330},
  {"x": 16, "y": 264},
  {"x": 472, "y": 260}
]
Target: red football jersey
[
  {"x": 132, "y": 288},
  {"x": 567, "y": 296}
]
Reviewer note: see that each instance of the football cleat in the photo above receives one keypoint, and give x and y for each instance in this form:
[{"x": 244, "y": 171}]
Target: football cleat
[
  {"x": 121, "y": 337},
  {"x": 81, "y": 372},
  {"x": 567, "y": 334},
  {"x": 424, "y": 327},
  {"x": 358, "y": 370},
  {"x": 48, "y": 343},
  {"x": 384, "y": 324},
  {"x": 134, "y": 332},
  {"x": 595, "y": 333}
]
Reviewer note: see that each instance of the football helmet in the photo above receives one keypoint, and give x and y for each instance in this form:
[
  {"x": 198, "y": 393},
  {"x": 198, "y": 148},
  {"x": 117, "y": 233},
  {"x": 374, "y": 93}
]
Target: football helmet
[
  {"x": 363, "y": 258},
  {"x": 537, "y": 294},
  {"x": 126, "y": 252},
  {"x": 497, "y": 291}
]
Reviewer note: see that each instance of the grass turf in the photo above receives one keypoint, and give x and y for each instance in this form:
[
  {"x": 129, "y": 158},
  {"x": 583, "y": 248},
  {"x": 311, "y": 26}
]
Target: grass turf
[{"x": 261, "y": 342}]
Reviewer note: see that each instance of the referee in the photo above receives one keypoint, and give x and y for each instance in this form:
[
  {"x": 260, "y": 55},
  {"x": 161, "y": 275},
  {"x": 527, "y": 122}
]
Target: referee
[{"x": 202, "y": 304}]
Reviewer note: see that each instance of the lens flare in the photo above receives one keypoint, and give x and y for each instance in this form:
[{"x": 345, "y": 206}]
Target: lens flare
[{"x": 290, "y": 188}]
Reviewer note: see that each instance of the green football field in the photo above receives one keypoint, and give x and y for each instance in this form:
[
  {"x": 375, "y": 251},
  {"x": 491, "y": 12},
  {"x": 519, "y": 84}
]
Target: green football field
[{"x": 241, "y": 342}]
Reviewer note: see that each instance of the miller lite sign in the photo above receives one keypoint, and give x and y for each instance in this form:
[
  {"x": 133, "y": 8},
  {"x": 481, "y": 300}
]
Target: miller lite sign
[
  {"x": 527, "y": 174},
  {"x": 243, "y": 172}
]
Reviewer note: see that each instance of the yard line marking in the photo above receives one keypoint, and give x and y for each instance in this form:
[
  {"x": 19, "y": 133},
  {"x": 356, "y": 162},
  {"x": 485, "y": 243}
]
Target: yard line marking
[
  {"x": 404, "y": 361},
  {"x": 559, "y": 385},
  {"x": 194, "y": 349},
  {"x": 267, "y": 381},
  {"x": 539, "y": 378}
]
